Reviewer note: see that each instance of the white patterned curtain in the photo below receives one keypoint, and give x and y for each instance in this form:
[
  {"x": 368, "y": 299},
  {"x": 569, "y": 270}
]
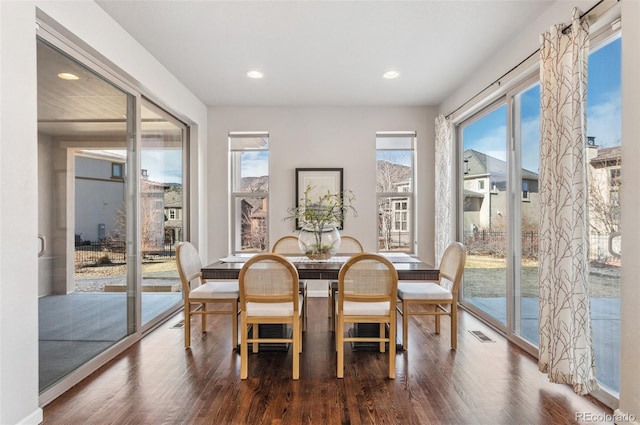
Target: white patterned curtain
[
  {"x": 444, "y": 160},
  {"x": 566, "y": 351}
]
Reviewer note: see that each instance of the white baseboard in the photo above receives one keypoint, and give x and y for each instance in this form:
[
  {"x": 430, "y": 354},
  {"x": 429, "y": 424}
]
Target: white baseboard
[{"x": 34, "y": 418}]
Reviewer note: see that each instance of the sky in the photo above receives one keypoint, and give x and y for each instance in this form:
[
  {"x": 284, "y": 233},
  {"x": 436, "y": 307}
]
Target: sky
[
  {"x": 488, "y": 134},
  {"x": 162, "y": 165},
  {"x": 255, "y": 164}
]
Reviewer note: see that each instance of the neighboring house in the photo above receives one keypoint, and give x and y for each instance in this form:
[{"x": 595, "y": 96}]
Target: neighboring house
[
  {"x": 394, "y": 219},
  {"x": 100, "y": 201},
  {"x": 485, "y": 196},
  {"x": 604, "y": 187},
  {"x": 152, "y": 217},
  {"x": 99, "y": 194},
  {"x": 254, "y": 226},
  {"x": 604, "y": 202},
  {"x": 173, "y": 216}
]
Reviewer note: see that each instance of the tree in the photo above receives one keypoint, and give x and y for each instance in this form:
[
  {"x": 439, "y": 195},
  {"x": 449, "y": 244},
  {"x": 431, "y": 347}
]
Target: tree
[{"x": 604, "y": 203}]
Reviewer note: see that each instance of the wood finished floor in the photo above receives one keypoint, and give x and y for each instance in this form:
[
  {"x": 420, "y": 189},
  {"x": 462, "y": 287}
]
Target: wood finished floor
[{"x": 159, "y": 382}]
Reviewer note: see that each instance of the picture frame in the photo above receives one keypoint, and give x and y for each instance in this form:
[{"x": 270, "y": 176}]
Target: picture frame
[{"x": 320, "y": 180}]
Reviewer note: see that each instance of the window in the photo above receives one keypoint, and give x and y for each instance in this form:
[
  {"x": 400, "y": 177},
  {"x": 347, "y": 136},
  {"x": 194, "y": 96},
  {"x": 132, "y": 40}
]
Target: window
[
  {"x": 500, "y": 144},
  {"x": 117, "y": 170},
  {"x": 480, "y": 184},
  {"x": 395, "y": 177},
  {"x": 173, "y": 214},
  {"x": 525, "y": 191},
  {"x": 249, "y": 155}
]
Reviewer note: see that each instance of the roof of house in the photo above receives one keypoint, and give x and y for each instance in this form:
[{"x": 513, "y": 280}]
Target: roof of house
[
  {"x": 479, "y": 163},
  {"x": 607, "y": 157},
  {"x": 173, "y": 199}
]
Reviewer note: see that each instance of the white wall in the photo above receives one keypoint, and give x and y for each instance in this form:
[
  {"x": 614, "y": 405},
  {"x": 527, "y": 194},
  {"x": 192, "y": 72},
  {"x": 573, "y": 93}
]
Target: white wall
[
  {"x": 342, "y": 137},
  {"x": 630, "y": 291},
  {"x": 19, "y": 173},
  {"x": 19, "y": 219},
  {"x": 514, "y": 52}
]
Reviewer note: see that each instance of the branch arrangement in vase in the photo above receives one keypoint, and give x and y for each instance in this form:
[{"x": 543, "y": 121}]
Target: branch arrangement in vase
[{"x": 320, "y": 215}]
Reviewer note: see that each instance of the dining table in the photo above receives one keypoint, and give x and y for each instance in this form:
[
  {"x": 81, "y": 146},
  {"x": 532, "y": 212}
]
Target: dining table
[{"x": 408, "y": 267}]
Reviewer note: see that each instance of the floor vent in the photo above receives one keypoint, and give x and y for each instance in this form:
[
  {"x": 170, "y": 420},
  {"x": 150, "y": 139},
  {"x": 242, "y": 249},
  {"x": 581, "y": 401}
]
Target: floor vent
[
  {"x": 481, "y": 336},
  {"x": 178, "y": 325}
]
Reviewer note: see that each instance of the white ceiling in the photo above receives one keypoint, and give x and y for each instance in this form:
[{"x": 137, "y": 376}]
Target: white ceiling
[{"x": 327, "y": 53}]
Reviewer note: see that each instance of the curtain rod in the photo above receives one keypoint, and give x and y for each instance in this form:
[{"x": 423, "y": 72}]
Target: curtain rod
[{"x": 566, "y": 27}]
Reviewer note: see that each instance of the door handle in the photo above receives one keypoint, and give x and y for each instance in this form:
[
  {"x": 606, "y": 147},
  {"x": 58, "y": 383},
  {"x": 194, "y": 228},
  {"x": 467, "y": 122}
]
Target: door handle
[
  {"x": 43, "y": 244},
  {"x": 611, "y": 238}
]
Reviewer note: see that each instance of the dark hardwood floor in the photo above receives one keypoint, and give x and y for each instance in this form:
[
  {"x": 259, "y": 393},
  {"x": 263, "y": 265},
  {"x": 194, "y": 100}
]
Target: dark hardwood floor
[{"x": 159, "y": 382}]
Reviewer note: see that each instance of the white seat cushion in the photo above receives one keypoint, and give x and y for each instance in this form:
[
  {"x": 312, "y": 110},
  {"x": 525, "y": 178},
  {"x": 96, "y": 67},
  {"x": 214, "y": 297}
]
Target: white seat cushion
[
  {"x": 217, "y": 289},
  {"x": 423, "y": 291},
  {"x": 273, "y": 309},
  {"x": 355, "y": 308}
]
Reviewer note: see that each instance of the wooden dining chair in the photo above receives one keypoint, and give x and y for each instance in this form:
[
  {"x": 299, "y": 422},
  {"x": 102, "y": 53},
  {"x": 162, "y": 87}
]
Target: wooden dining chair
[
  {"x": 348, "y": 246},
  {"x": 197, "y": 293},
  {"x": 440, "y": 298},
  {"x": 269, "y": 294},
  {"x": 289, "y": 247},
  {"x": 367, "y": 290}
]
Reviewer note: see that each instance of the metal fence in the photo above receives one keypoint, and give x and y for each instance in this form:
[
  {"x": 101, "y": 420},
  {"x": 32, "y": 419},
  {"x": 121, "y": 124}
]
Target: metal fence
[
  {"x": 103, "y": 252},
  {"x": 114, "y": 251},
  {"x": 494, "y": 243}
]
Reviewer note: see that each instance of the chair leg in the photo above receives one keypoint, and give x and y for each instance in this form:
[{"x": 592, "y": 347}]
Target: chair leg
[
  {"x": 256, "y": 334},
  {"x": 454, "y": 326},
  {"x": 234, "y": 325},
  {"x": 296, "y": 348},
  {"x": 340, "y": 346},
  {"x": 330, "y": 306},
  {"x": 335, "y": 331},
  {"x": 334, "y": 315},
  {"x": 382, "y": 336},
  {"x": 405, "y": 324},
  {"x": 300, "y": 345},
  {"x": 244, "y": 349},
  {"x": 304, "y": 310},
  {"x": 204, "y": 317},
  {"x": 435, "y": 310},
  {"x": 392, "y": 346},
  {"x": 187, "y": 325}
]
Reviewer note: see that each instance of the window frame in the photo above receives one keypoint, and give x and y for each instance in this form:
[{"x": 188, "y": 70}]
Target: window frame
[
  {"x": 404, "y": 194},
  {"x": 235, "y": 176}
]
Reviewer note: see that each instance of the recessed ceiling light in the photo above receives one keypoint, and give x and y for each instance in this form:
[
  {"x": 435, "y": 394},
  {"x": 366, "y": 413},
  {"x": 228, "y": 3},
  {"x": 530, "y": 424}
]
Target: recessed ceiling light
[
  {"x": 68, "y": 76},
  {"x": 255, "y": 74},
  {"x": 390, "y": 75}
]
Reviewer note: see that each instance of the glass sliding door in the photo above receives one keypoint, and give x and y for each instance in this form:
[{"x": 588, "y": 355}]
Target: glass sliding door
[
  {"x": 485, "y": 212},
  {"x": 500, "y": 209},
  {"x": 162, "y": 210},
  {"x": 86, "y": 196},
  {"x": 604, "y": 165},
  {"x": 526, "y": 207}
]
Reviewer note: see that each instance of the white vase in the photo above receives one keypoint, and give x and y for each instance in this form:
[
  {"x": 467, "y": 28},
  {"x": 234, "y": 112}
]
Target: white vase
[{"x": 319, "y": 244}]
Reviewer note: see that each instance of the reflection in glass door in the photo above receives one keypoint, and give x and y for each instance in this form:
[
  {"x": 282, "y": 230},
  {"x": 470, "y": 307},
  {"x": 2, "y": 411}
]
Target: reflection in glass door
[
  {"x": 526, "y": 206},
  {"x": 162, "y": 210},
  {"x": 604, "y": 175},
  {"x": 85, "y": 196},
  {"x": 485, "y": 202}
]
